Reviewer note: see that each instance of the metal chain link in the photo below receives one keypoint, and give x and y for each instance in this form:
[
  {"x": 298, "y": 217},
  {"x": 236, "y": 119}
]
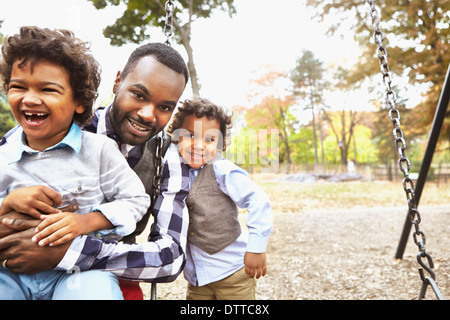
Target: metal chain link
[
  {"x": 168, "y": 32},
  {"x": 156, "y": 190},
  {"x": 158, "y": 168},
  {"x": 168, "y": 29},
  {"x": 403, "y": 162}
]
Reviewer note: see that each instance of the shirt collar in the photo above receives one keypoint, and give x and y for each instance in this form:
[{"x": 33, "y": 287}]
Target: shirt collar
[{"x": 72, "y": 140}]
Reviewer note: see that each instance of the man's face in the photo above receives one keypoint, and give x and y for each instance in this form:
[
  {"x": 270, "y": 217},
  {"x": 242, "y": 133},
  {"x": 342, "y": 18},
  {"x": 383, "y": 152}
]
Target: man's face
[{"x": 145, "y": 100}]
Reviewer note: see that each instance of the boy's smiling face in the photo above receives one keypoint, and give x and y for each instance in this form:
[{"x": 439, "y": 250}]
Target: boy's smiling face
[
  {"x": 198, "y": 140},
  {"x": 42, "y": 102}
]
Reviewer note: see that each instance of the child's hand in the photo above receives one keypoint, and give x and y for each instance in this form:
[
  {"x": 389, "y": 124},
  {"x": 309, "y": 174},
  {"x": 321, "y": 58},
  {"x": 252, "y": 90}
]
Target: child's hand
[
  {"x": 31, "y": 200},
  {"x": 59, "y": 228},
  {"x": 62, "y": 227},
  {"x": 255, "y": 264}
]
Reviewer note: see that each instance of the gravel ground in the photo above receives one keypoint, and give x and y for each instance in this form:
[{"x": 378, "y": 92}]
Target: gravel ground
[{"x": 346, "y": 254}]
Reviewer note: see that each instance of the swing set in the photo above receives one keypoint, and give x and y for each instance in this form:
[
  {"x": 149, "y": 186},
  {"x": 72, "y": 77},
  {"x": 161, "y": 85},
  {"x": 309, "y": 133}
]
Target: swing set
[{"x": 412, "y": 194}]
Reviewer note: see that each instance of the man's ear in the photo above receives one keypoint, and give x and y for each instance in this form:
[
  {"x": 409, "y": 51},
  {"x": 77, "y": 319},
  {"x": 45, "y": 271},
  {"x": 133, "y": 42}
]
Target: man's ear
[{"x": 117, "y": 82}]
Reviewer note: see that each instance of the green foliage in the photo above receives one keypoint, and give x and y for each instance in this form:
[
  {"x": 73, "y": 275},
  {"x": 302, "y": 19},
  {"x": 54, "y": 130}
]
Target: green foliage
[
  {"x": 142, "y": 14},
  {"x": 6, "y": 119},
  {"x": 417, "y": 42}
]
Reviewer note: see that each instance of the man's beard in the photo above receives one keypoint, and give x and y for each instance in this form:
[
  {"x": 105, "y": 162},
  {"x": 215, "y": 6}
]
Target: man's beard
[{"x": 120, "y": 121}]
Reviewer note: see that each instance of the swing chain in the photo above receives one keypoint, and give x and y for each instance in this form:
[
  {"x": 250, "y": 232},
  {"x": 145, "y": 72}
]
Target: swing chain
[
  {"x": 403, "y": 162},
  {"x": 168, "y": 29}
]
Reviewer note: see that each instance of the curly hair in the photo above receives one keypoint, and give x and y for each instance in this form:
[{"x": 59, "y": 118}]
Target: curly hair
[
  {"x": 59, "y": 46},
  {"x": 202, "y": 107}
]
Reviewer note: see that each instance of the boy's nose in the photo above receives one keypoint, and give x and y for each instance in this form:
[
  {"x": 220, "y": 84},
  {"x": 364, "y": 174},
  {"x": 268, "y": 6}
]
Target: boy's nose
[
  {"x": 198, "y": 143},
  {"x": 31, "y": 98}
]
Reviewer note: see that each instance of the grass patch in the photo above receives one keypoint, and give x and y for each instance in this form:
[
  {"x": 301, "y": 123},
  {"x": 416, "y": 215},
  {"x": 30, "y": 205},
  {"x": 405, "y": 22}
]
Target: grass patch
[{"x": 301, "y": 197}]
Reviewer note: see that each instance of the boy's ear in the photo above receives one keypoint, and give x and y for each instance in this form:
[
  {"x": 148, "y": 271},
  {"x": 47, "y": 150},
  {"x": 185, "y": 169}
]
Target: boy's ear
[{"x": 79, "y": 109}]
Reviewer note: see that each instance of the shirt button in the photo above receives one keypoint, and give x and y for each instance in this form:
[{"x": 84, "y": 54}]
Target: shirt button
[{"x": 192, "y": 233}]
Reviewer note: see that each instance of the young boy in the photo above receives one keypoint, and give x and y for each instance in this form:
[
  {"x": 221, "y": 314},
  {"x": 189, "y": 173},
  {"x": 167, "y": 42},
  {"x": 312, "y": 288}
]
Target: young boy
[
  {"x": 52, "y": 80},
  {"x": 221, "y": 259}
]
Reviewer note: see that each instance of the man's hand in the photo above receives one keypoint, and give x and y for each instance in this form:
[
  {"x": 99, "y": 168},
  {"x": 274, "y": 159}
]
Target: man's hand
[
  {"x": 13, "y": 222},
  {"x": 25, "y": 256}
]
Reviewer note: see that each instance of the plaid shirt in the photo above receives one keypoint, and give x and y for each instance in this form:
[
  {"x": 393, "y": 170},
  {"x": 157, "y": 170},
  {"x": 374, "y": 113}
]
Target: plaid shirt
[{"x": 162, "y": 257}]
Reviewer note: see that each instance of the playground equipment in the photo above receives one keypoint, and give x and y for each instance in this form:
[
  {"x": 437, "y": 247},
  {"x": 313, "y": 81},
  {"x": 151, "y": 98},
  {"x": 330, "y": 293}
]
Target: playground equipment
[{"x": 412, "y": 195}]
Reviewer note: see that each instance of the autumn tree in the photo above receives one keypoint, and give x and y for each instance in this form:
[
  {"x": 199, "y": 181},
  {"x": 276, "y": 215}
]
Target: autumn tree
[
  {"x": 271, "y": 107},
  {"x": 417, "y": 41},
  {"x": 141, "y": 14},
  {"x": 309, "y": 84},
  {"x": 273, "y": 113}
]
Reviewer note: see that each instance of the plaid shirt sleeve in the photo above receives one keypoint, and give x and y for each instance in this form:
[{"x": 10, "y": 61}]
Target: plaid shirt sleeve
[{"x": 162, "y": 257}]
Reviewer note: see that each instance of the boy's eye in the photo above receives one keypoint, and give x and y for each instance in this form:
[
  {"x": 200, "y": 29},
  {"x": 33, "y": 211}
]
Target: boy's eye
[
  {"x": 210, "y": 139},
  {"x": 188, "y": 135},
  {"x": 15, "y": 86},
  {"x": 49, "y": 90}
]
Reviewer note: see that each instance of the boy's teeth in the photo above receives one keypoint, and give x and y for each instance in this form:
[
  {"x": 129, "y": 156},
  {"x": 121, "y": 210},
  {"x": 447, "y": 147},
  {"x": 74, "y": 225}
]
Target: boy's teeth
[
  {"x": 35, "y": 117},
  {"x": 35, "y": 114}
]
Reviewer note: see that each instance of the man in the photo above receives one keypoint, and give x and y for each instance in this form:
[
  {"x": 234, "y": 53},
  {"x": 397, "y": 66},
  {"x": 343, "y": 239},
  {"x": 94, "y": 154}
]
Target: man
[{"x": 146, "y": 94}]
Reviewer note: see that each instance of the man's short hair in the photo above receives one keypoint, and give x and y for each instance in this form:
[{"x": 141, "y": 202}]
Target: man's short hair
[{"x": 163, "y": 53}]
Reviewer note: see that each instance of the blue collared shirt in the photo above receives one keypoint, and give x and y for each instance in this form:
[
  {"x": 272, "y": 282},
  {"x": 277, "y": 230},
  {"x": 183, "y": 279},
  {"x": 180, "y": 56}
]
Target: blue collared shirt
[
  {"x": 202, "y": 268},
  {"x": 17, "y": 147}
]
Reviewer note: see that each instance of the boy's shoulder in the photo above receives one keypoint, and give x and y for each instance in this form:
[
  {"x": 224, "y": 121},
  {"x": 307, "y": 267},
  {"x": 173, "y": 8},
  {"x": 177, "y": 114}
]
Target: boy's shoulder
[
  {"x": 96, "y": 143},
  {"x": 95, "y": 138},
  {"x": 224, "y": 166}
]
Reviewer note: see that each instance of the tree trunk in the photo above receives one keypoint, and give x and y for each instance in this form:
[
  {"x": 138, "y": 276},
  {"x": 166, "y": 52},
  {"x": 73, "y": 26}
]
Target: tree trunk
[
  {"x": 191, "y": 66},
  {"x": 321, "y": 139},
  {"x": 185, "y": 32},
  {"x": 314, "y": 135}
]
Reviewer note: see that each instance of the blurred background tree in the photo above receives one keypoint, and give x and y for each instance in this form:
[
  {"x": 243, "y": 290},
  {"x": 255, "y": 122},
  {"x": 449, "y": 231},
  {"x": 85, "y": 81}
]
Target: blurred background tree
[
  {"x": 140, "y": 15},
  {"x": 6, "y": 118},
  {"x": 417, "y": 40}
]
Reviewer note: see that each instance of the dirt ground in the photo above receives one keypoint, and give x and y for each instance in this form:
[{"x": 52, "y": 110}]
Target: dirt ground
[{"x": 346, "y": 254}]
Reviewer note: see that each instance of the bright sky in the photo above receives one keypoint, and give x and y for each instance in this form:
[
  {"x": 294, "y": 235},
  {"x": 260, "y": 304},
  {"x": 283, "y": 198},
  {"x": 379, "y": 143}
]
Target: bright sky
[{"x": 226, "y": 50}]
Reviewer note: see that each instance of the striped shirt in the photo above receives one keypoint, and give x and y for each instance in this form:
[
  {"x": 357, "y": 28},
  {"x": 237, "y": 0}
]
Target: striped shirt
[
  {"x": 162, "y": 257},
  {"x": 86, "y": 169}
]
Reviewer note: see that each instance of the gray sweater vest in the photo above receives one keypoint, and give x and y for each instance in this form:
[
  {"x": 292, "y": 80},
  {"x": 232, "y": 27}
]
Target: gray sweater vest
[
  {"x": 145, "y": 169},
  {"x": 213, "y": 216}
]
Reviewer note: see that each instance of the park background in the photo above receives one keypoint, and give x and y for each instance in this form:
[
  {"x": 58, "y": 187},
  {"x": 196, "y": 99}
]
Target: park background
[{"x": 307, "y": 72}]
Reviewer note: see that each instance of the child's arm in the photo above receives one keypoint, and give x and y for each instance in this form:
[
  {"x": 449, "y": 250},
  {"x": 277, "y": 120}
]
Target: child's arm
[
  {"x": 235, "y": 182},
  {"x": 32, "y": 201},
  {"x": 255, "y": 264},
  {"x": 59, "y": 228}
]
